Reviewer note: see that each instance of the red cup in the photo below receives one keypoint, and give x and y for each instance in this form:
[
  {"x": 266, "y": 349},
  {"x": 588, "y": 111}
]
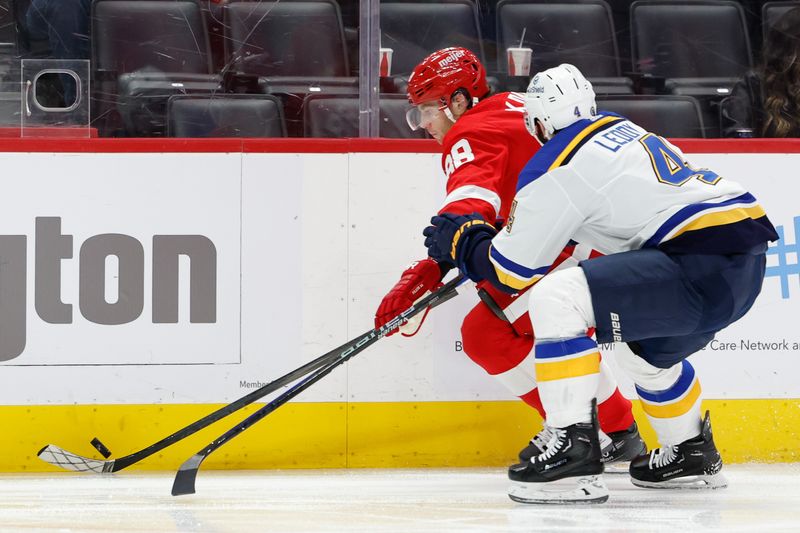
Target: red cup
[
  {"x": 519, "y": 61},
  {"x": 385, "y": 62}
]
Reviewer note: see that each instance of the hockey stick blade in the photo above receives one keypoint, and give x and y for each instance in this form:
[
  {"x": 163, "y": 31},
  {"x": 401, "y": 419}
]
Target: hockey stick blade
[
  {"x": 61, "y": 458},
  {"x": 186, "y": 476},
  {"x": 187, "y": 473},
  {"x": 77, "y": 463}
]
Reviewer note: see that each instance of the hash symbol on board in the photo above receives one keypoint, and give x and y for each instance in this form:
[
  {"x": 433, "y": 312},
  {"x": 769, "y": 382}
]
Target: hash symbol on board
[{"x": 782, "y": 251}]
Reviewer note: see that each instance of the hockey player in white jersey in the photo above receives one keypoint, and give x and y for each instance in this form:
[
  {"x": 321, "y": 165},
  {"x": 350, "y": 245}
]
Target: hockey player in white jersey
[{"x": 685, "y": 257}]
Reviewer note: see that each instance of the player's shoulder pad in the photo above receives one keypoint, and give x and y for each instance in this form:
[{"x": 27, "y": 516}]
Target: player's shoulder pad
[{"x": 559, "y": 150}]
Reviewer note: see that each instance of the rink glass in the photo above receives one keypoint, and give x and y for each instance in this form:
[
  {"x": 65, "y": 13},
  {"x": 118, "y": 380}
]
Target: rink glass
[{"x": 307, "y": 69}]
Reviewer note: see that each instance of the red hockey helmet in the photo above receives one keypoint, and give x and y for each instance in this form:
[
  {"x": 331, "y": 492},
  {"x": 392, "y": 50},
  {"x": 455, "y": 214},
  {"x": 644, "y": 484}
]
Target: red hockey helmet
[{"x": 440, "y": 74}]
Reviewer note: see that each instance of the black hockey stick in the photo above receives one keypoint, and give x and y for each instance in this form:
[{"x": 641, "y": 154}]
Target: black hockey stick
[
  {"x": 67, "y": 460},
  {"x": 187, "y": 473}
]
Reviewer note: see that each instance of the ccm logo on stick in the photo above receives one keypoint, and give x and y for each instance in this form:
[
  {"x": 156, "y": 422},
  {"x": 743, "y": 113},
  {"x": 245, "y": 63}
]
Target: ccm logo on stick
[{"x": 52, "y": 247}]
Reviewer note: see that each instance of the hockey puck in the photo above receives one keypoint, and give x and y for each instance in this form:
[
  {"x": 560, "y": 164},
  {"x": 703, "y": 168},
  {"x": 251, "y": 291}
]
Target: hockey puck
[{"x": 100, "y": 447}]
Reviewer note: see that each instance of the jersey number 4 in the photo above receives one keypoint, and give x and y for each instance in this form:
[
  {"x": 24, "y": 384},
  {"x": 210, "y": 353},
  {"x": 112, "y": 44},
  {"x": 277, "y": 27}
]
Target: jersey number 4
[{"x": 670, "y": 168}]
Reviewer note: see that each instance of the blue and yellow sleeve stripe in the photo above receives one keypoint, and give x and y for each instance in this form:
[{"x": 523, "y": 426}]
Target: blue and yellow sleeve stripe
[{"x": 514, "y": 275}]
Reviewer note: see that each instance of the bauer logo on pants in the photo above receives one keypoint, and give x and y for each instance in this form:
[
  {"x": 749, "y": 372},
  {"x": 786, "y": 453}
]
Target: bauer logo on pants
[{"x": 616, "y": 327}]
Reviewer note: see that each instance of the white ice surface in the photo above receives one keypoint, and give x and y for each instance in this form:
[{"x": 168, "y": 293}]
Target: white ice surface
[{"x": 759, "y": 498}]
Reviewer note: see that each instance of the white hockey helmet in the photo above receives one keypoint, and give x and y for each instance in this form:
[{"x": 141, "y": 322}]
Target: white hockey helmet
[{"x": 557, "y": 98}]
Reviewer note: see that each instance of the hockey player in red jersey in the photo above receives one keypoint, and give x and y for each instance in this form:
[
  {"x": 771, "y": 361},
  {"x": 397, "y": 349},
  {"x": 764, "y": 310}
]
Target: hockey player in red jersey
[{"x": 485, "y": 145}]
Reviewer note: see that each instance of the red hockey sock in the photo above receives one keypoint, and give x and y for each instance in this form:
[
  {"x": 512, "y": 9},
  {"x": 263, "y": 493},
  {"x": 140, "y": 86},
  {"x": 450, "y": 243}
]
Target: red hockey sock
[
  {"x": 532, "y": 399},
  {"x": 614, "y": 413}
]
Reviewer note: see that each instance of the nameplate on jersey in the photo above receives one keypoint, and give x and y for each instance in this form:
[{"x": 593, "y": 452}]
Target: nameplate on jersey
[{"x": 615, "y": 138}]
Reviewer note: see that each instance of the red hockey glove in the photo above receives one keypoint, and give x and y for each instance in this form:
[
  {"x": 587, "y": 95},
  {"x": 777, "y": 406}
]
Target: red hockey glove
[{"x": 417, "y": 280}]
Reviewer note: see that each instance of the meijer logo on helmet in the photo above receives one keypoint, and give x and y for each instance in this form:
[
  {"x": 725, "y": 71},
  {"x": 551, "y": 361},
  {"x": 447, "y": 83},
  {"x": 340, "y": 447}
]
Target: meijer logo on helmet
[
  {"x": 51, "y": 247},
  {"x": 452, "y": 57}
]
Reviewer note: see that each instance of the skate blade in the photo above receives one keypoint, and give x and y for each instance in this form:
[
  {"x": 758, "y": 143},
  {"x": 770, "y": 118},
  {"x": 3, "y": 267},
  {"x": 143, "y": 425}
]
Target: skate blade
[
  {"x": 573, "y": 490},
  {"x": 703, "y": 482},
  {"x": 617, "y": 467}
]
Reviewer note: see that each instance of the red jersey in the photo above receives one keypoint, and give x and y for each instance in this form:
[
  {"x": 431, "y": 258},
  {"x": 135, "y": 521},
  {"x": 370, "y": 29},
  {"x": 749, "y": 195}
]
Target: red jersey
[{"x": 483, "y": 153}]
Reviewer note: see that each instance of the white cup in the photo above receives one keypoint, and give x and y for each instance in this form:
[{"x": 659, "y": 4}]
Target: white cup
[
  {"x": 519, "y": 61},
  {"x": 385, "y": 62}
]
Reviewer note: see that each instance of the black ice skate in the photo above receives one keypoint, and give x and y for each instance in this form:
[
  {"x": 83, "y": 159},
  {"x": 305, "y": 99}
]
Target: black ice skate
[
  {"x": 692, "y": 464},
  {"x": 568, "y": 471},
  {"x": 619, "y": 448},
  {"x": 537, "y": 444}
]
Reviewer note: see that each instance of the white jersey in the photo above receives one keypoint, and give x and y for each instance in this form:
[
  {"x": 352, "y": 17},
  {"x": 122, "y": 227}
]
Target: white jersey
[{"x": 613, "y": 186}]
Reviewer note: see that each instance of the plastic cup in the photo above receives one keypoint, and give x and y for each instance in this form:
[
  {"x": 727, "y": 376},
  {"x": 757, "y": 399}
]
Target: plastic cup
[
  {"x": 385, "y": 62},
  {"x": 519, "y": 61}
]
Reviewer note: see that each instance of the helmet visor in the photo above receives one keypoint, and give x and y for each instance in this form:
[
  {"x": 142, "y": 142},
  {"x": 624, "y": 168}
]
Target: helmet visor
[{"x": 419, "y": 115}]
